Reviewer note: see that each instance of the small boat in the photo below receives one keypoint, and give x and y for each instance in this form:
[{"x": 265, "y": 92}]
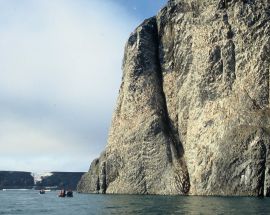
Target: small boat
[
  {"x": 42, "y": 192},
  {"x": 62, "y": 193},
  {"x": 69, "y": 193}
]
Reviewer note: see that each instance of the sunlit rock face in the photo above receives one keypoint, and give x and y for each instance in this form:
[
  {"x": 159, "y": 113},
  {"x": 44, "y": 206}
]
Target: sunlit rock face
[{"x": 193, "y": 109}]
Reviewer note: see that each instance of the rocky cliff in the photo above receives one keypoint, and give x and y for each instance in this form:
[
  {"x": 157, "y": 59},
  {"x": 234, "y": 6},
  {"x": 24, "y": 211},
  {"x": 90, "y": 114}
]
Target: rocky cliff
[{"x": 193, "y": 110}]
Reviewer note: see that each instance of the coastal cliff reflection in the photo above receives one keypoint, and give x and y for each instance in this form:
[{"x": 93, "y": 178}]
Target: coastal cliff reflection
[{"x": 136, "y": 204}]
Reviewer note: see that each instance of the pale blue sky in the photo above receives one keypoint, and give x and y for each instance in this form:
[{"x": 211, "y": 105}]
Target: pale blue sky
[{"x": 60, "y": 66}]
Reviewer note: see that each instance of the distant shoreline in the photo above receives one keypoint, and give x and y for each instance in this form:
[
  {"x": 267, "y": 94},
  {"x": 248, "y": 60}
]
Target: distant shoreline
[{"x": 49, "y": 180}]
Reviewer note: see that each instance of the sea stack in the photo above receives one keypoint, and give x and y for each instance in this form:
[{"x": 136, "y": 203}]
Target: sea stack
[{"x": 193, "y": 115}]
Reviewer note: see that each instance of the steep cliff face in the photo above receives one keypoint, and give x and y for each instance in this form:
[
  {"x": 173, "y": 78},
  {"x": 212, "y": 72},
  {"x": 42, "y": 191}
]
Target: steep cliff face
[{"x": 193, "y": 111}]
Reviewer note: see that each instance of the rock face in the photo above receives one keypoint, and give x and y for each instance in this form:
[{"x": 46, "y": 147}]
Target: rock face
[{"x": 193, "y": 111}]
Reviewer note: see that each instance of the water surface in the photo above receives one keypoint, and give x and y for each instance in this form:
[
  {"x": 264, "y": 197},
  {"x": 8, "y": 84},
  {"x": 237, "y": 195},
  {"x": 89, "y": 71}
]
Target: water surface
[{"x": 30, "y": 202}]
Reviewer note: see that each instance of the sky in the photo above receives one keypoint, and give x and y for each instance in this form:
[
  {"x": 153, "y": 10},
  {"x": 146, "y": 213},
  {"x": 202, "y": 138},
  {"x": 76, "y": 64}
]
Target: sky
[{"x": 60, "y": 72}]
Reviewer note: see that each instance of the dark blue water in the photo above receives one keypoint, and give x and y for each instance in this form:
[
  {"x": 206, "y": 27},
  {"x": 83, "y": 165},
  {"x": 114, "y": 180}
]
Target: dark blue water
[{"x": 32, "y": 203}]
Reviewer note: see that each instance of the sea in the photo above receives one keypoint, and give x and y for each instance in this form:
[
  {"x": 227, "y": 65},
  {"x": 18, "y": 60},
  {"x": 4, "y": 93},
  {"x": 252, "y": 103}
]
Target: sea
[{"x": 30, "y": 202}]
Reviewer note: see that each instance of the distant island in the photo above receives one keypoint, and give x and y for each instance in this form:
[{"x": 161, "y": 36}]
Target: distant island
[
  {"x": 16, "y": 180},
  {"x": 29, "y": 180},
  {"x": 59, "y": 180}
]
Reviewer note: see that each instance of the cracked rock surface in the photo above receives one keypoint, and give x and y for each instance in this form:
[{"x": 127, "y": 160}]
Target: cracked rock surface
[{"x": 193, "y": 112}]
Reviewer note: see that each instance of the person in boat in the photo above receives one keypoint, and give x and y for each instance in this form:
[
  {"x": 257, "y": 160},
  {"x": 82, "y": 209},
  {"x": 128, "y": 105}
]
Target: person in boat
[
  {"x": 42, "y": 191},
  {"x": 62, "y": 193},
  {"x": 69, "y": 193}
]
